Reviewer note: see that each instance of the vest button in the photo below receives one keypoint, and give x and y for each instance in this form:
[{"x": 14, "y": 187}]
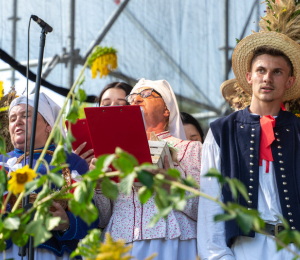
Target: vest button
[
  {"x": 285, "y": 191},
  {"x": 282, "y": 169},
  {"x": 290, "y": 214},
  {"x": 293, "y": 228},
  {"x": 250, "y": 187},
  {"x": 278, "y": 140},
  {"x": 287, "y": 130},
  {"x": 253, "y": 129},
  {"x": 251, "y": 163},
  {"x": 241, "y": 126},
  {"x": 251, "y": 179},
  {"x": 252, "y": 142},
  {"x": 249, "y": 208},
  {"x": 251, "y": 171},
  {"x": 276, "y": 133},
  {"x": 288, "y": 206},
  {"x": 250, "y": 202},
  {"x": 252, "y": 135},
  {"x": 279, "y": 147},
  {"x": 284, "y": 183},
  {"x": 280, "y": 154},
  {"x": 283, "y": 176},
  {"x": 291, "y": 220},
  {"x": 251, "y": 148},
  {"x": 251, "y": 155},
  {"x": 280, "y": 161},
  {"x": 287, "y": 198},
  {"x": 250, "y": 194}
]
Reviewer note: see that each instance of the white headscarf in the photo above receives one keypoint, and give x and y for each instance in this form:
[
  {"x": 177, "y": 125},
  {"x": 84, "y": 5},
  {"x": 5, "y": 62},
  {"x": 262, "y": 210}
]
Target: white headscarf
[
  {"x": 47, "y": 108},
  {"x": 164, "y": 89}
]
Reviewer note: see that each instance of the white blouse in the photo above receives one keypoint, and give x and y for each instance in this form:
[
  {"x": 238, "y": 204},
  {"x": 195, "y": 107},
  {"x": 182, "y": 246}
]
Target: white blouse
[{"x": 211, "y": 238}]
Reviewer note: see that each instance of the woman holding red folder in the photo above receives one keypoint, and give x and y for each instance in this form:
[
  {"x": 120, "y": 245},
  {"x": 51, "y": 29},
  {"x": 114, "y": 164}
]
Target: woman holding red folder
[
  {"x": 113, "y": 94},
  {"x": 126, "y": 218}
]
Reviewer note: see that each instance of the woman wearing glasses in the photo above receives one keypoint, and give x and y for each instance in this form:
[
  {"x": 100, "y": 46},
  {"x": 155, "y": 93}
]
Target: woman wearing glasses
[
  {"x": 113, "y": 94},
  {"x": 128, "y": 219}
]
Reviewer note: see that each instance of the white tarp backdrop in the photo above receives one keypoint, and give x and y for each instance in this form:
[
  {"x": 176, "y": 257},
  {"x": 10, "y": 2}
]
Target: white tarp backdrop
[{"x": 190, "y": 31}]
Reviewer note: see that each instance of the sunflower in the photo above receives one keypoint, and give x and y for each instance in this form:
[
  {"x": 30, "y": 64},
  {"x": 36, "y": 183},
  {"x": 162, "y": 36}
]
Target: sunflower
[
  {"x": 19, "y": 178},
  {"x": 103, "y": 60}
]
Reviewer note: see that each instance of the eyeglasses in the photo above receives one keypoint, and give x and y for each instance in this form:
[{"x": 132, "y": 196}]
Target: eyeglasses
[{"x": 144, "y": 94}]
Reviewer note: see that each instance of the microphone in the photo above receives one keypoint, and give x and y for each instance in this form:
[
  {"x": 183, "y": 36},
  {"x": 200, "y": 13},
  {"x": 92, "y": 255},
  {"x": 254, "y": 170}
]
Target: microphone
[{"x": 42, "y": 23}]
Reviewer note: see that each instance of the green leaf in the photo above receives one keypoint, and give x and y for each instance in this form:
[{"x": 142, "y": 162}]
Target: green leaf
[
  {"x": 81, "y": 192},
  {"x": 88, "y": 212},
  {"x": 2, "y": 146},
  {"x": 174, "y": 173},
  {"x": 12, "y": 223},
  {"x": 215, "y": 174},
  {"x": 245, "y": 221},
  {"x": 52, "y": 222},
  {"x": 35, "y": 184},
  {"x": 224, "y": 217},
  {"x": 126, "y": 183},
  {"x": 69, "y": 139},
  {"x": 36, "y": 229},
  {"x": 59, "y": 155},
  {"x": 232, "y": 188},
  {"x": 161, "y": 198},
  {"x": 146, "y": 178},
  {"x": 105, "y": 161},
  {"x": 162, "y": 213},
  {"x": 127, "y": 156},
  {"x": 190, "y": 181},
  {"x": 59, "y": 167},
  {"x": 144, "y": 194},
  {"x": 268, "y": 28},
  {"x": 123, "y": 165},
  {"x": 237, "y": 40},
  {"x": 56, "y": 179},
  {"x": 109, "y": 188},
  {"x": 295, "y": 14},
  {"x": 19, "y": 238},
  {"x": 94, "y": 174},
  {"x": 180, "y": 205},
  {"x": 43, "y": 193},
  {"x": 57, "y": 135},
  {"x": 73, "y": 114},
  {"x": 80, "y": 95},
  {"x": 241, "y": 188},
  {"x": 3, "y": 176}
]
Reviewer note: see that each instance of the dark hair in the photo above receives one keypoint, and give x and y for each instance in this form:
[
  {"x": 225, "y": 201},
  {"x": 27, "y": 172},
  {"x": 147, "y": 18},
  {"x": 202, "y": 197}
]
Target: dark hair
[
  {"x": 120, "y": 85},
  {"x": 273, "y": 52},
  {"x": 188, "y": 119}
]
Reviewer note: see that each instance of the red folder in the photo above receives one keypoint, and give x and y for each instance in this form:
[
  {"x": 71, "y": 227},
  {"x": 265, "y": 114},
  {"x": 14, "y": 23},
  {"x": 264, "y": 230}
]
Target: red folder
[
  {"x": 81, "y": 133},
  {"x": 118, "y": 126}
]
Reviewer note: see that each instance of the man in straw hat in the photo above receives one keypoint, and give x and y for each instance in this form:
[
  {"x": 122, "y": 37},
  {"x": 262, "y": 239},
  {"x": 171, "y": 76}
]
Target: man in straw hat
[{"x": 259, "y": 146}]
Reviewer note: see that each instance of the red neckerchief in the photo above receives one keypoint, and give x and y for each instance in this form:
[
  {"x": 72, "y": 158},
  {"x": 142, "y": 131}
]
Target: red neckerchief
[{"x": 266, "y": 138}]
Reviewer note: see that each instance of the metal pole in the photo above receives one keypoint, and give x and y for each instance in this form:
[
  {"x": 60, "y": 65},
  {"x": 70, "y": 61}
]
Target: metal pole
[
  {"x": 14, "y": 19},
  {"x": 257, "y": 15},
  {"x": 108, "y": 24},
  {"x": 226, "y": 42},
  {"x": 71, "y": 40}
]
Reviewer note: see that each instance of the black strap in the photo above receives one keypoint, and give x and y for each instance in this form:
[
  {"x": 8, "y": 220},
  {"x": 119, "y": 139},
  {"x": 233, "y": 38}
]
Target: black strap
[{"x": 274, "y": 229}]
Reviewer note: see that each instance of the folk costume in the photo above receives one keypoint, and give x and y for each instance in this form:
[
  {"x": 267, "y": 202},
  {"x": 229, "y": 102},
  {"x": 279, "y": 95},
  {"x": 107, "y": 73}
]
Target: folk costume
[
  {"x": 126, "y": 218},
  {"x": 61, "y": 244},
  {"x": 261, "y": 152}
]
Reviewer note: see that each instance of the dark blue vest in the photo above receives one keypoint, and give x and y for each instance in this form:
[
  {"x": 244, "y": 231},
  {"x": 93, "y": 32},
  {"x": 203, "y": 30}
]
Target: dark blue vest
[{"x": 238, "y": 136}]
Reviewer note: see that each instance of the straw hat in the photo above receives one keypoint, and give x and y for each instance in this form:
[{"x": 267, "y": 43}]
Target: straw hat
[
  {"x": 243, "y": 53},
  {"x": 227, "y": 90}
]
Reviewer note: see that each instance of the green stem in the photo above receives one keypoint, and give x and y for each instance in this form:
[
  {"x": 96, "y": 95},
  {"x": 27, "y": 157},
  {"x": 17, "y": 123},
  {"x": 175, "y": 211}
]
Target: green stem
[
  {"x": 59, "y": 116},
  {"x": 18, "y": 201},
  {"x": 5, "y": 203}
]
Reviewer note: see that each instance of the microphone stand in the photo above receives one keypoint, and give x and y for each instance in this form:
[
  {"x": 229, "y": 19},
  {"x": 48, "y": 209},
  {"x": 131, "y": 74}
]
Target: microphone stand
[{"x": 22, "y": 251}]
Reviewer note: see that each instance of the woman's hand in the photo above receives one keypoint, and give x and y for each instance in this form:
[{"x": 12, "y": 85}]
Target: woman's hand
[
  {"x": 86, "y": 156},
  {"x": 60, "y": 212}
]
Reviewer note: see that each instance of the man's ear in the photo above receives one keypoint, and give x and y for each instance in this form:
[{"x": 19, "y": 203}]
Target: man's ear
[
  {"x": 249, "y": 77},
  {"x": 166, "y": 113},
  {"x": 48, "y": 128},
  {"x": 290, "y": 82}
]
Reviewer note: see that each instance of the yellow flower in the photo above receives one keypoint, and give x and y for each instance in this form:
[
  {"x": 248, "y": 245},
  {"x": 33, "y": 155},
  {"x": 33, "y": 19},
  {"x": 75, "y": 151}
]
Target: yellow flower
[
  {"x": 297, "y": 115},
  {"x": 114, "y": 250},
  {"x": 19, "y": 178},
  {"x": 284, "y": 10},
  {"x": 1, "y": 89},
  {"x": 103, "y": 60}
]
